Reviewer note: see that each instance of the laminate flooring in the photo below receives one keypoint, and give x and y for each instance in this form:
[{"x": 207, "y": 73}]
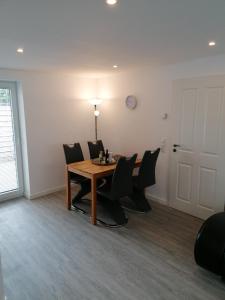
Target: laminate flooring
[{"x": 51, "y": 253}]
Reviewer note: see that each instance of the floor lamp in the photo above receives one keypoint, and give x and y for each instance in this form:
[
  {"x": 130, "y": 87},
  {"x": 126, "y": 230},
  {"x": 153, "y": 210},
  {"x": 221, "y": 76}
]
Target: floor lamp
[{"x": 96, "y": 102}]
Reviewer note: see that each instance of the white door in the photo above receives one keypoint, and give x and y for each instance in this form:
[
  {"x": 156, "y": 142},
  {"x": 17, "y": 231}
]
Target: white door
[
  {"x": 11, "y": 175},
  {"x": 197, "y": 170}
]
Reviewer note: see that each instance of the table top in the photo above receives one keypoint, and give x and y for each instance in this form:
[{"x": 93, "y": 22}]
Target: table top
[{"x": 88, "y": 169}]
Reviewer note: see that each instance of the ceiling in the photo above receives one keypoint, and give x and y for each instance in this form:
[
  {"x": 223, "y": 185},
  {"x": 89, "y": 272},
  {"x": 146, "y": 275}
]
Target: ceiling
[{"x": 89, "y": 36}]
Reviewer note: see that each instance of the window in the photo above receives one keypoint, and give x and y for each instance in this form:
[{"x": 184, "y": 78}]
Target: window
[{"x": 11, "y": 183}]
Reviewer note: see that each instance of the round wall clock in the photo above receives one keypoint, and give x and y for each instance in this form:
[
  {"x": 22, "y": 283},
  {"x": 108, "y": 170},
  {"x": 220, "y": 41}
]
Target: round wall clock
[{"x": 131, "y": 102}]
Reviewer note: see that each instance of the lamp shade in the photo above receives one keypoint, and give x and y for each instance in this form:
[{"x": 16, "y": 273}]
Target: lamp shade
[{"x": 95, "y": 101}]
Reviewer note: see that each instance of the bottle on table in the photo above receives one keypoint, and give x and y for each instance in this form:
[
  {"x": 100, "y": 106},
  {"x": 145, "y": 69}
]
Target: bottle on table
[
  {"x": 107, "y": 156},
  {"x": 110, "y": 157},
  {"x": 100, "y": 156}
]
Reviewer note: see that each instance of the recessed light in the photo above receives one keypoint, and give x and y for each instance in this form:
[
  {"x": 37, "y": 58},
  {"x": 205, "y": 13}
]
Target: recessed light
[
  {"x": 20, "y": 50},
  {"x": 111, "y": 2},
  {"x": 212, "y": 43},
  {"x": 115, "y": 66}
]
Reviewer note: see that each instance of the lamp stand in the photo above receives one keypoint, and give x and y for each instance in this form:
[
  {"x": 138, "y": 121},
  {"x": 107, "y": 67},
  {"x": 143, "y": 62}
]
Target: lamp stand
[{"x": 96, "y": 125}]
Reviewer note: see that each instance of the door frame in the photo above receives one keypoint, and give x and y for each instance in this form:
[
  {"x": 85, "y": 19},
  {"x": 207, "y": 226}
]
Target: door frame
[
  {"x": 17, "y": 142},
  {"x": 174, "y": 121}
]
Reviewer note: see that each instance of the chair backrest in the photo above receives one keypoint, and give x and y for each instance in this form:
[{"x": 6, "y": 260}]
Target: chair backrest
[
  {"x": 73, "y": 153},
  {"x": 95, "y": 148},
  {"x": 146, "y": 175},
  {"x": 122, "y": 177}
]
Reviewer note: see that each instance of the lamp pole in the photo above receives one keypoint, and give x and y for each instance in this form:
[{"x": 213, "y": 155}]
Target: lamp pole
[
  {"x": 96, "y": 102},
  {"x": 96, "y": 124}
]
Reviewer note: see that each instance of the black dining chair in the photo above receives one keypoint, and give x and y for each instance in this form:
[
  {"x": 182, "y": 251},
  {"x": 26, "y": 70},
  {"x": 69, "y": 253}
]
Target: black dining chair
[
  {"x": 73, "y": 153},
  {"x": 145, "y": 178},
  {"x": 95, "y": 148},
  {"x": 121, "y": 186},
  {"x": 209, "y": 250}
]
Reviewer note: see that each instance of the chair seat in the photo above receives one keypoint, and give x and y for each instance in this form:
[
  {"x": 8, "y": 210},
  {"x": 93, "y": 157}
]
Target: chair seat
[{"x": 136, "y": 183}]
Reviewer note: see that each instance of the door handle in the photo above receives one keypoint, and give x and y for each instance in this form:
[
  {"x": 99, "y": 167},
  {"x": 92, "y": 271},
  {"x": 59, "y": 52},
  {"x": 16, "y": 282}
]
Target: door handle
[{"x": 175, "y": 146}]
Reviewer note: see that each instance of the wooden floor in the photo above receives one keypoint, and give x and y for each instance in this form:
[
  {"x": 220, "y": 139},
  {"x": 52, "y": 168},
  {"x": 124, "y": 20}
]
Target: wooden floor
[{"x": 51, "y": 253}]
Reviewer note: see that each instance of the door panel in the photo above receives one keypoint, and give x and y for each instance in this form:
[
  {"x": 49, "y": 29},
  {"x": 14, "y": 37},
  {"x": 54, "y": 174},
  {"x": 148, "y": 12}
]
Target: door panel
[
  {"x": 184, "y": 182},
  {"x": 211, "y": 127},
  {"x": 207, "y": 187},
  {"x": 189, "y": 104},
  {"x": 197, "y": 173}
]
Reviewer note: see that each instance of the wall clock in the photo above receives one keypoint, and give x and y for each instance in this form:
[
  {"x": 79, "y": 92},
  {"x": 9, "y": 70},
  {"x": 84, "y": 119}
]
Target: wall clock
[{"x": 131, "y": 102}]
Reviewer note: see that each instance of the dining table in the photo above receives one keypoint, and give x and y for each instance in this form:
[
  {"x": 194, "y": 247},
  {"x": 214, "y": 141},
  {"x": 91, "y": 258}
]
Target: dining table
[{"x": 88, "y": 169}]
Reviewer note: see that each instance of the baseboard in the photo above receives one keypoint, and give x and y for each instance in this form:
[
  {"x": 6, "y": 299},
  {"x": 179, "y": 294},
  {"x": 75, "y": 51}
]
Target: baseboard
[
  {"x": 26, "y": 195},
  {"x": 46, "y": 192},
  {"x": 62, "y": 187},
  {"x": 156, "y": 199}
]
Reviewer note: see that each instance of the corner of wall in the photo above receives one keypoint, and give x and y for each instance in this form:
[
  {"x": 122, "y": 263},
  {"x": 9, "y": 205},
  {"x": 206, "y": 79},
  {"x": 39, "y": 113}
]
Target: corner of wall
[
  {"x": 23, "y": 136},
  {"x": 155, "y": 198}
]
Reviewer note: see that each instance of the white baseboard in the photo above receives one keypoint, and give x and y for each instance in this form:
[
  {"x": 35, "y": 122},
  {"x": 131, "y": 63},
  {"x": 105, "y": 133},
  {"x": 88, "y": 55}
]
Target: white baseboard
[
  {"x": 156, "y": 199},
  {"x": 46, "y": 192},
  {"x": 62, "y": 187},
  {"x": 26, "y": 195}
]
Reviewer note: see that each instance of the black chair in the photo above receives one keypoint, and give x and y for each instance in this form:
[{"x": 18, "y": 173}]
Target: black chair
[
  {"x": 121, "y": 186},
  {"x": 73, "y": 153},
  {"x": 95, "y": 148},
  {"x": 145, "y": 178},
  {"x": 210, "y": 245}
]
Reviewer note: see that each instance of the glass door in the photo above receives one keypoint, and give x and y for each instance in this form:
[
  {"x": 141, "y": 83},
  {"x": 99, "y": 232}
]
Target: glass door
[{"x": 11, "y": 173}]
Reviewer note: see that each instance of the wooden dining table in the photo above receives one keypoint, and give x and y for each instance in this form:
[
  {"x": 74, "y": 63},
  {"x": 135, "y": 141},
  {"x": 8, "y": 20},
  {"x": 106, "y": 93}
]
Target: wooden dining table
[{"x": 89, "y": 170}]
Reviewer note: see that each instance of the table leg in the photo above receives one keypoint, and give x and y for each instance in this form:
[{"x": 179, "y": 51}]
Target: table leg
[
  {"x": 68, "y": 189},
  {"x": 93, "y": 200}
]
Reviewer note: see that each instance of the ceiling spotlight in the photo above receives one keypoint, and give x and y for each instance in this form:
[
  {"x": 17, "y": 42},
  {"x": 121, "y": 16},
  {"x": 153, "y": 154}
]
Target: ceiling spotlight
[
  {"x": 111, "y": 2},
  {"x": 20, "y": 50},
  {"x": 115, "y": 66},
  {"x": 212, "y": 43}
]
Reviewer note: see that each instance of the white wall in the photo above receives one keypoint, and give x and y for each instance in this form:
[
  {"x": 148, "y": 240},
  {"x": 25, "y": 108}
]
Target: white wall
[
  {"x": 126, "y": 131},
  {"x": 53, "y": 110}
]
